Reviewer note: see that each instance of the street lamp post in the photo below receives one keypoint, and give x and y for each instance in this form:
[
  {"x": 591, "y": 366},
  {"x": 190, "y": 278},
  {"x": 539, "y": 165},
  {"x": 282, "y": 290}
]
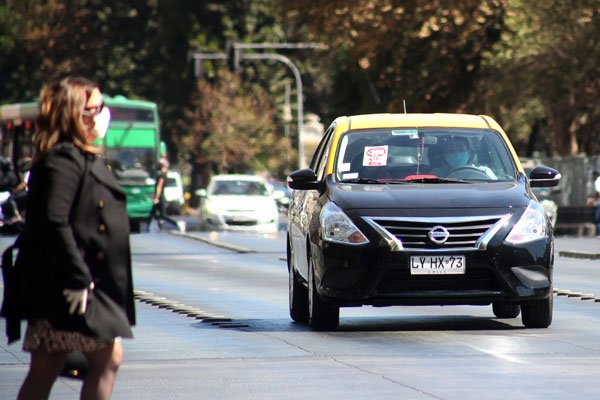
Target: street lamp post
[
  {"x": 236, "y": 52},
  {"x": 299, "y": 98}
]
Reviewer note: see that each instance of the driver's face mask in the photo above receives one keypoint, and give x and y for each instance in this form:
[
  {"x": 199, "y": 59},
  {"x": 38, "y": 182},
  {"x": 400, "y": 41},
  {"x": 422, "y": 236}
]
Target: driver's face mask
[{"x": 457, "y": 158}]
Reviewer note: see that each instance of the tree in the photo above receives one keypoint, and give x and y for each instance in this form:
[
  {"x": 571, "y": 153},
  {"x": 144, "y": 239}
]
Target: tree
[
  {"x": 383, "y": 51},
  {"x": 231, "y": 126},
  {"x": 546, "y": 74}
]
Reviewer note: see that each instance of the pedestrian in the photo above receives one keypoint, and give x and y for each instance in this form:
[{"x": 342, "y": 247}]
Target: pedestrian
[
  {"x": 158, "y": 211},
  {"x": 78, "y": 293},
  {"x": 14, "y": 207}
]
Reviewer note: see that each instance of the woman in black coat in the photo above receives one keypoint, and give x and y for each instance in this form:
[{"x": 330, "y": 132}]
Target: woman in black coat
[{"x": 78, "y": 288}]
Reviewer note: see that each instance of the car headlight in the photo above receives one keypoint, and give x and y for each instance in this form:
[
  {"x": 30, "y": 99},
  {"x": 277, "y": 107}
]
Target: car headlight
[
  {"x": 212, "y": 207},
  {"x": 338, "y": 228},
  {"x": 531, "y": 226}
]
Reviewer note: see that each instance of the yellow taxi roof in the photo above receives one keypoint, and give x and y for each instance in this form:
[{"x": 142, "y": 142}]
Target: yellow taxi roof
[{"x": 419, "y": 120}]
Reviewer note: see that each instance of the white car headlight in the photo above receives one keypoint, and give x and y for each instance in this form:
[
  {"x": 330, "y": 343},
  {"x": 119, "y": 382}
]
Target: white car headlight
[
  {"x": 531, "y": 226},
  {"x": 212, "y": 207},
  {"x": 338, "y": 228}
]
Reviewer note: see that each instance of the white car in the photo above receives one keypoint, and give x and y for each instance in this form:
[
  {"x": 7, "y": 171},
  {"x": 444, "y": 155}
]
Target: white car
[
  {"x": 174, "y": 192},
  {"x": 238, "y": 203}
]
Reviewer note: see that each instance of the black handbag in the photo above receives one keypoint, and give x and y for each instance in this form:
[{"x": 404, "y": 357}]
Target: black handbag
[{"x": 76, "y": 366}]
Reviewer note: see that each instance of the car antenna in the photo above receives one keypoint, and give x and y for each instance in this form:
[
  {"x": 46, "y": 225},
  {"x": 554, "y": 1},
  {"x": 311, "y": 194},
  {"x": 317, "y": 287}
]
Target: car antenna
[{"x": 404, "y": 104}]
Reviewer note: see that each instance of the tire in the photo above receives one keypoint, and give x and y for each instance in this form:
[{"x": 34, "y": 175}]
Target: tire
[
  {"x": 322, "y": 316},
  {"x": 505, "y": 310},
  {"x": 298, "y": 294},
  {"x": 537, "y": 313},
  {"x": 298, "y": 299}
]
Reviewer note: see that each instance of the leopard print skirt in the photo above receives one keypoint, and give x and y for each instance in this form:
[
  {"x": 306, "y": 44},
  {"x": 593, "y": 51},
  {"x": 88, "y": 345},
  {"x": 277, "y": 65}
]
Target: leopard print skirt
[{"x": 41, "y": 335}]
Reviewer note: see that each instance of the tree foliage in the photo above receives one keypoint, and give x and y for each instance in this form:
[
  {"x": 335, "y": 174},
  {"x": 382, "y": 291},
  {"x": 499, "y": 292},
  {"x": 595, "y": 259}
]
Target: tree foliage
[
  {"x": 232, "y": 127},
  {"x": 535, "y": 66},
  {"x": 428, "y": 53},
  {"x": 547, "y": 71}
]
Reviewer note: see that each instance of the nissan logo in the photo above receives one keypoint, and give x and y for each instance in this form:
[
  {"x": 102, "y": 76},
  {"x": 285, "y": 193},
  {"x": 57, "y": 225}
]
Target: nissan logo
[{"x": 438, "y": 234}]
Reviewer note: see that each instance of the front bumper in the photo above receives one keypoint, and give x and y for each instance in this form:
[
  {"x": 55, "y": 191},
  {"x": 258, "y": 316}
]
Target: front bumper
[{"x": 373, "y": 274}]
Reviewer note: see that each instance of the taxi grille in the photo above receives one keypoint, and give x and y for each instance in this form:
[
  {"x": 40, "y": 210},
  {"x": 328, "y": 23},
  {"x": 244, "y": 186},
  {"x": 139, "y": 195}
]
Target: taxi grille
[{"x": 455, "y": 233}]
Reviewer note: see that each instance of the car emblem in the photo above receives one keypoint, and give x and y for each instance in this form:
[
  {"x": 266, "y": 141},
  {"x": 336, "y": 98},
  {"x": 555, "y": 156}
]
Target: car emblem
[{"x": 438, "y": 234}]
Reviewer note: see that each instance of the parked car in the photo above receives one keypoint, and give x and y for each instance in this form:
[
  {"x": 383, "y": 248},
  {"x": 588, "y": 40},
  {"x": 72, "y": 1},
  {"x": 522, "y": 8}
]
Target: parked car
[
  {"x": 238, "y": 202},
  {"x": 418, "y": 209},
  {"x": 174, "y": 193}
]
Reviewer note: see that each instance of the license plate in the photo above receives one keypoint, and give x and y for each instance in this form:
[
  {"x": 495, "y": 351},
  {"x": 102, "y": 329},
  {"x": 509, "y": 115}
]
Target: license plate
[{"x": 437, "y": 265}]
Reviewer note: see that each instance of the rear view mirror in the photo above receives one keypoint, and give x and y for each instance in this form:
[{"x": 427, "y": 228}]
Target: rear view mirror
[
  {"x": 303, "y": 179},
  {"x": 544, "y": 177}
]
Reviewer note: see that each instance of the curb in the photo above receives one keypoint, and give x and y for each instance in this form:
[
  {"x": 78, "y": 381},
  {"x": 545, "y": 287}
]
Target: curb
[
  {"x": 575, "y": 254},
  {"x": 238, "y": 249}
]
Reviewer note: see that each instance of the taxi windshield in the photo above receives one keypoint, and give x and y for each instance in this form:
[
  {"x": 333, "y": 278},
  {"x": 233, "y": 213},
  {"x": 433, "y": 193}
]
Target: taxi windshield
[{"x": 428, "y": 155}]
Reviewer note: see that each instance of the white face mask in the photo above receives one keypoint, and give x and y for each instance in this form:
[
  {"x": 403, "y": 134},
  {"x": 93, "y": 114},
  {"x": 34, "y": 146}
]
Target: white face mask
[{"x": 101, "y": 122}]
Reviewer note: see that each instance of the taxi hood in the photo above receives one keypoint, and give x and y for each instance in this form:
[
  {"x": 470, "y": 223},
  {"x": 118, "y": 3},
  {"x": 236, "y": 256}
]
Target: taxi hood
[{"x": 429, "y": 195}]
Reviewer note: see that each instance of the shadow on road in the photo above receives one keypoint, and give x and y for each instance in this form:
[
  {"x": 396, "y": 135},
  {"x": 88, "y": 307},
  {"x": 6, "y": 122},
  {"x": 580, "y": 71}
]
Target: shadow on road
[{"x": 374, "y": 324}]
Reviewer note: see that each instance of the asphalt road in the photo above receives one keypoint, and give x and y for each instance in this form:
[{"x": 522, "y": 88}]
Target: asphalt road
[{"x": 235, "y": 339}]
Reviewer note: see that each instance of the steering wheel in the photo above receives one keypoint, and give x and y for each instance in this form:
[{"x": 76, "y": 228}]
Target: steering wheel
[{"x": 468, "y": 172}]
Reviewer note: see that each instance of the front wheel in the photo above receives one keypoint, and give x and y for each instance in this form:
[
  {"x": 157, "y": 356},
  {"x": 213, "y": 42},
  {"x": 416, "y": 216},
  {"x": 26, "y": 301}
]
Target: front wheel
[
  {"x": 298, "y": 294},
  {"x": 323, "y": 316},
  {"x": 537, "y": 313}
]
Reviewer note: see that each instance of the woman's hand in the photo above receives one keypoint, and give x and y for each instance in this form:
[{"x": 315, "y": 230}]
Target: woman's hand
[{"x": 77, "y": 298}]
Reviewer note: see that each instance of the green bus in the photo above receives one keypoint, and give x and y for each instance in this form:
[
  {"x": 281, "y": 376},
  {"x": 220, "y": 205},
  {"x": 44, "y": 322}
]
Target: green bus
[{"x": 132, "y": 147}]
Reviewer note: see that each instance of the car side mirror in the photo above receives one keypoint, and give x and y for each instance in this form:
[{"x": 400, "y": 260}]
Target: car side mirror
[
  {"x": 544, "y": 177},
  {"x": 303, "y": 179},
  {"x": 200, "y": 192}
]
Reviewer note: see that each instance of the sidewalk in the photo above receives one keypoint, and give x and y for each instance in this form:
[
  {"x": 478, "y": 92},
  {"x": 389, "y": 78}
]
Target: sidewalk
[{"x": 577, "y": 247}]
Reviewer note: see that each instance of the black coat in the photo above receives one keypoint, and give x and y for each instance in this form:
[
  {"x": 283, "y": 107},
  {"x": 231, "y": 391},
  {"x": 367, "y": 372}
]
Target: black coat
[{"x": 77, "y": 219}]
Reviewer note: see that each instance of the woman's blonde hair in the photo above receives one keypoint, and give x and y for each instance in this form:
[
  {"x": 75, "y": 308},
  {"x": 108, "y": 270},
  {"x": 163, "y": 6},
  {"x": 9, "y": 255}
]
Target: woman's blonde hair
[{"x": 61, "y": 104}]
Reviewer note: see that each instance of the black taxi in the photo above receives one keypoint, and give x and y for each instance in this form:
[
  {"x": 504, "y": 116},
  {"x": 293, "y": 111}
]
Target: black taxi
[{"x": 418, "y": 209}]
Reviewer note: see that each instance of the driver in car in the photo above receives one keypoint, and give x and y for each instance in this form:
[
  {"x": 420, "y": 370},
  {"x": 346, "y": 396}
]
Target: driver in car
[{"x": 457, "y": 157}]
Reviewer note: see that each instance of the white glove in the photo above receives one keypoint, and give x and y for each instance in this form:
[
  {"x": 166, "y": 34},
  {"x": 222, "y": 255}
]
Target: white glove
[{"x": 77, "y": 298}]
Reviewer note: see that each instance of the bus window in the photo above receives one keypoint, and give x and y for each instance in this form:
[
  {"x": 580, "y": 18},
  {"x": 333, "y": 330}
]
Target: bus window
[{"x": 130, "y": 114}]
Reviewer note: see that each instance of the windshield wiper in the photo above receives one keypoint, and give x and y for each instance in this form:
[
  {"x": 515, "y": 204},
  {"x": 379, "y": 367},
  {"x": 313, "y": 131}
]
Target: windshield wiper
[{"x": 436, "y": 180}]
